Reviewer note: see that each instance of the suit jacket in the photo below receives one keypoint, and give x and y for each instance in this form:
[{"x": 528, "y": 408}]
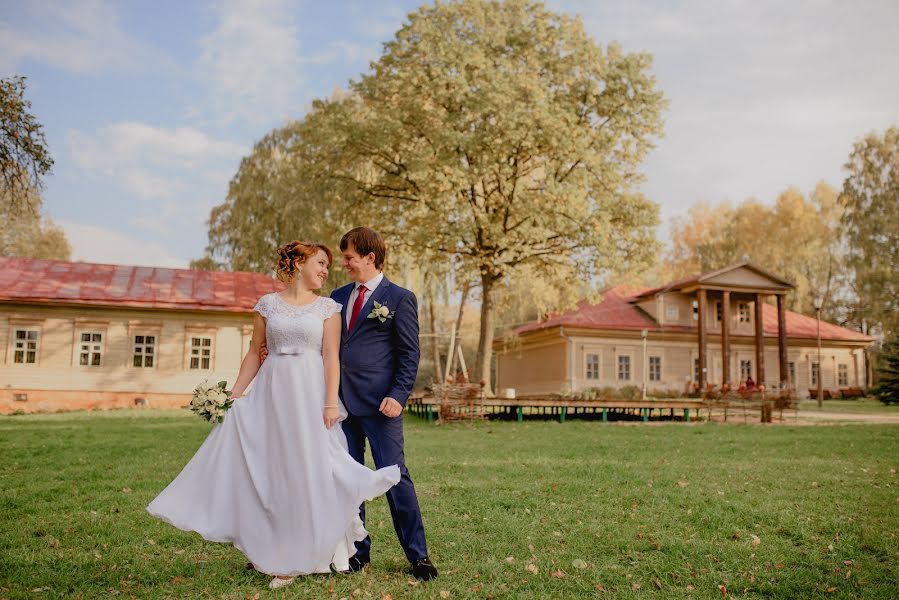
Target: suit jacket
[{"x": 378, "y": 360}]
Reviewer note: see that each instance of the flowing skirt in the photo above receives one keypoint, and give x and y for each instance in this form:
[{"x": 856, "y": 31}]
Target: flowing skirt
[{"x": 273, "y": 481}]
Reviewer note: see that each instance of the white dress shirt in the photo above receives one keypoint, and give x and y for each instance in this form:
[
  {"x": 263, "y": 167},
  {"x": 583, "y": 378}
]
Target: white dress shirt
[{"x": 370, "y": 287}]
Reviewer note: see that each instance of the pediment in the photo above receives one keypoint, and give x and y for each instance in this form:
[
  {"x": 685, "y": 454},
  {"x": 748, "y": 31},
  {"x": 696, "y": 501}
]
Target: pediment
[{"x": 745, "y": 276}]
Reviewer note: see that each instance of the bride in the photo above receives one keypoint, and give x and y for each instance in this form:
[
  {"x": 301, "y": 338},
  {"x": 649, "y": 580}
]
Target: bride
[{"x": 275, "y": 477}]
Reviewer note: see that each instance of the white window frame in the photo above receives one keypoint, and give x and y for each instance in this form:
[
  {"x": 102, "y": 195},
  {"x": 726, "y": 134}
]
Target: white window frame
[
  {"x": 747, "y": 372},
  {"x": 24, "y": 349},
  {"x": 651, "y": 370},
  {"x": 92, "y": 347},
  {"x": 814, "y": 373},
  {"x": 630, "y": 367},
  {"x": 843, "y": 374},
  {"x": 143, "y": 346},
  {"x": 199, "y": 355},
  {"x": 791, "y": 372},
  {"x": 592, "y": 374},
  {"x": 744, "y": 316}
]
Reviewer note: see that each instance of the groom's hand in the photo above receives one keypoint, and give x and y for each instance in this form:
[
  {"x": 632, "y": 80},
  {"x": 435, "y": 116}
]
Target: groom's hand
[{"x": 391, "y": 408}]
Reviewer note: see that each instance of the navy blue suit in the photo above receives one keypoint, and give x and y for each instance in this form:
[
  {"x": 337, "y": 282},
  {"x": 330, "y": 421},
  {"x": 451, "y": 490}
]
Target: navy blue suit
[{"x": 379, "y": 360}]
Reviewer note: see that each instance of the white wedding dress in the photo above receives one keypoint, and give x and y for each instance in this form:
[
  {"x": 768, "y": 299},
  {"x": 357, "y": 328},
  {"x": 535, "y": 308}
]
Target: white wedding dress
[{"x": 270, "y": 478}]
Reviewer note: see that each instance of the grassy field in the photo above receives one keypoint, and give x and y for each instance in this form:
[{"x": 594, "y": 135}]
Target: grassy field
[{"x": 531, "y": 510}]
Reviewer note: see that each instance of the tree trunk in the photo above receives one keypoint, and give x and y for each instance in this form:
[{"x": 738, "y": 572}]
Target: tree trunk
[
  {"x": 435, "y": 341},
  {"x": 455, "y": 359},
  {"x": 485, "y": 339}
]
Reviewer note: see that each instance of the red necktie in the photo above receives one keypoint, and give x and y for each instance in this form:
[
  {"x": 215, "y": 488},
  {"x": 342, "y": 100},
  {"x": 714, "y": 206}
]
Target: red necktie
[{"x": 357, "y": 305}]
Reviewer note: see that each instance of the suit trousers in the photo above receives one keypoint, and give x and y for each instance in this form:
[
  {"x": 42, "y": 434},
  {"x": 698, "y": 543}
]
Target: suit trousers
[{"x": 385, "y": 437}]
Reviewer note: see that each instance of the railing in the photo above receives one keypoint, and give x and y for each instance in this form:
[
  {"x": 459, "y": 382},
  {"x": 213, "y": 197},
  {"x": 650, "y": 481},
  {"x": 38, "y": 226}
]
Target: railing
[{"x": 465, "y": 403}]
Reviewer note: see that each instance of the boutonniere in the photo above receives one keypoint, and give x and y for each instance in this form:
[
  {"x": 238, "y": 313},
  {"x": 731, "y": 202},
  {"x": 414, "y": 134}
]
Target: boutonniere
[{"x": 380, "y": 312}]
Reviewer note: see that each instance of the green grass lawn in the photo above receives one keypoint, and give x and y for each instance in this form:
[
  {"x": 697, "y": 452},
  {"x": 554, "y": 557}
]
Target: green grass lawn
[{"x": 531, "y": 510}]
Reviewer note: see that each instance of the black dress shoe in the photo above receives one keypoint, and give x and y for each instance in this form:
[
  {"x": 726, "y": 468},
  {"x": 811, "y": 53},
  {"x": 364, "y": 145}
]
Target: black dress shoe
[
  {"x": 423, "y": 570},
  {"x": 358, "y": 562}
]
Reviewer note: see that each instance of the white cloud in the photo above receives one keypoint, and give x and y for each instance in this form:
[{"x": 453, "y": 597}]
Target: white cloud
[
  {"x": 152, "y": 162},
  {"x": 134, "y": 142},
  {"x": 763, "y": 94},
  {"x": 91, "y": 243},
  {"x": 251, "y": 62},
  {"x": 79, "y": 37}
]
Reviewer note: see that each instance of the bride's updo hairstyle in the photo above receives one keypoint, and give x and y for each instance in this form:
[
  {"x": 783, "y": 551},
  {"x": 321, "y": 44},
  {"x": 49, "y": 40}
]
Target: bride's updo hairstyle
[{"x": 293, "y": 254}]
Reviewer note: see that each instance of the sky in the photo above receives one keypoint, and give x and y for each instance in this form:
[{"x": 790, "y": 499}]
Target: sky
[{"x": 148, "y": 107}]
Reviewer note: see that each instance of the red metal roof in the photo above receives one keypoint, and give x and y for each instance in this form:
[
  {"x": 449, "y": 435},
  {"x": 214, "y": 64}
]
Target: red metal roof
[
  {"x": 616, "y": 311},
  {"x": 56, "y": 281}
]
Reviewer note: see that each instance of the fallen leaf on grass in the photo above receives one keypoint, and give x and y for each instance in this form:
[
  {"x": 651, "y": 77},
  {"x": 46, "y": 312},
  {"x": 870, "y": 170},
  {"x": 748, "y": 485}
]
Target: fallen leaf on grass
[
  {"x": 847, "y": 562},
  {"x": 723, "y": 590},
  {"x": 151, "y": 542},
  {"x": 558, "y": 573},
  {"x": 179, "y": 551},
  {"x": 831, "y": 590},
  {"x": 386, "y": 597},
  {"x": 755, "y": 540},
  {"x": 779, "y": 566},
  {"x": 444, "y": 594},
  {"x": 635, "y": 586},
  {"x": 600, "y": 588},
  {"x": 579, "y": 563},
  {"x": 532, "y": 568},
  {"x": 690, "y": 587},
  {"x": 253, "y": 597},
  {"x": 177, "y": 579},
  {"x": 682, "y": 484},
  {"x": 509, "y": 559},
  {"x": 656, "y": 582}
]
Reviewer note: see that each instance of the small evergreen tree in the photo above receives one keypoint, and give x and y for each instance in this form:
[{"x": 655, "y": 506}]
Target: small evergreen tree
[{"x": 887, "y": 388}]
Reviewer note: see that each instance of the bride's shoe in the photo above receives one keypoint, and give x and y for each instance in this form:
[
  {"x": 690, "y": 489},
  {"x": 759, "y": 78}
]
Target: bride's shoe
[{"x": 278, "y": 582}]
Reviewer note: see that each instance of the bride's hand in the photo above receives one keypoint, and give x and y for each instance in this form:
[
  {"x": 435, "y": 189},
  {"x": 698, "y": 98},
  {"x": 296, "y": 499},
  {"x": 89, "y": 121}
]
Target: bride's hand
[{"x": 331, "y": 415}]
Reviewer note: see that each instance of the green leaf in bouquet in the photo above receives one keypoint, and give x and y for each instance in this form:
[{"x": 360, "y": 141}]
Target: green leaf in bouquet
[{"x": 223, "y": 385}]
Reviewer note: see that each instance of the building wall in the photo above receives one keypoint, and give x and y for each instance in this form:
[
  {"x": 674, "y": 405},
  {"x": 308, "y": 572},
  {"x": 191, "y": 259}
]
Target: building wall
[
  {"x": 542, "y": 370},
  {"x": 56, "y": 380}
]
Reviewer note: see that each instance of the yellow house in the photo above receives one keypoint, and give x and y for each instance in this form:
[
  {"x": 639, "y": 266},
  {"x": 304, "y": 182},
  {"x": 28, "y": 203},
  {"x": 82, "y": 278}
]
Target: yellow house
[
  {"x": 81, "y": 335},
  {"x": 712, "y": 329}
]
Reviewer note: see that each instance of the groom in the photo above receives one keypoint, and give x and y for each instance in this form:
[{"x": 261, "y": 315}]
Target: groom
[{"x": 378, "y": 363}]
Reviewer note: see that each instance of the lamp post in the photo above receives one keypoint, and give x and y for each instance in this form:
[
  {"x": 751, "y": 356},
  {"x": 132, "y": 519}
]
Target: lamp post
[
  {"x": 643, "y": 334},
  {"x": 818, "y": 302}
]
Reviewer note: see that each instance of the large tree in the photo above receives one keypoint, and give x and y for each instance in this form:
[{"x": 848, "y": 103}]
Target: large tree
[
  {"x": 797, "y": 237},
  {"x": 24, "y": 157},
  {"x": 501, "y": 137},
  {"x": 871, "y": 220},
  {"x": 25, "y": 232}
]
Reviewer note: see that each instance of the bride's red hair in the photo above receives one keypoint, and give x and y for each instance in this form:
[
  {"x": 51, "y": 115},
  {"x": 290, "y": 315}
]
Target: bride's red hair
[{"x": 293, "y": 254}]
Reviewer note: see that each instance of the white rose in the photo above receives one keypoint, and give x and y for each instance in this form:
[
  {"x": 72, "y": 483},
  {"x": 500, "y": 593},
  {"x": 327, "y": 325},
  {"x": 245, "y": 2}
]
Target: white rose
[{"x": 383, "y": 311}]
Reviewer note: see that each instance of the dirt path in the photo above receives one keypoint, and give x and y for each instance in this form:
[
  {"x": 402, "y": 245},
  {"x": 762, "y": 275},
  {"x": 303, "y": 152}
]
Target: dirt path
[{"x": 846, "y": 417}]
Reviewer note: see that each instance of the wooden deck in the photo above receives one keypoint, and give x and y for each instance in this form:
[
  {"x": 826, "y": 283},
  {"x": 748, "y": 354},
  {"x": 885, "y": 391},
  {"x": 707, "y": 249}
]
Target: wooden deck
[{"x": 428, "y": 407}]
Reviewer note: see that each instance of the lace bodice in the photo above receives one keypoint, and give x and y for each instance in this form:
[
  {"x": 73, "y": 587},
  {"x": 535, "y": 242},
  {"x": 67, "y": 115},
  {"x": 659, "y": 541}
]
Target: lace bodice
[{"x": 291, "y": 329}]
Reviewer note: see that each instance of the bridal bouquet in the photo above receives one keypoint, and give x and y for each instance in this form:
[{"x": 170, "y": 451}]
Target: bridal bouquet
[{"x": 211, "y": 400}]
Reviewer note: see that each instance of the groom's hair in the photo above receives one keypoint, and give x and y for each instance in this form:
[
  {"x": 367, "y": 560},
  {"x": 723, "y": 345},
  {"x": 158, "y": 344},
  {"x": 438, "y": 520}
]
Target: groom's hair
[{"x": 365, "y": 241}]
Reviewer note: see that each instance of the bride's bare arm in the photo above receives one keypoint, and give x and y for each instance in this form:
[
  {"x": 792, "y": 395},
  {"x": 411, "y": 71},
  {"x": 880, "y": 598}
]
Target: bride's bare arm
[
  {"x": 251, "y": 362},
  {"x": 331, "y": 358}
]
